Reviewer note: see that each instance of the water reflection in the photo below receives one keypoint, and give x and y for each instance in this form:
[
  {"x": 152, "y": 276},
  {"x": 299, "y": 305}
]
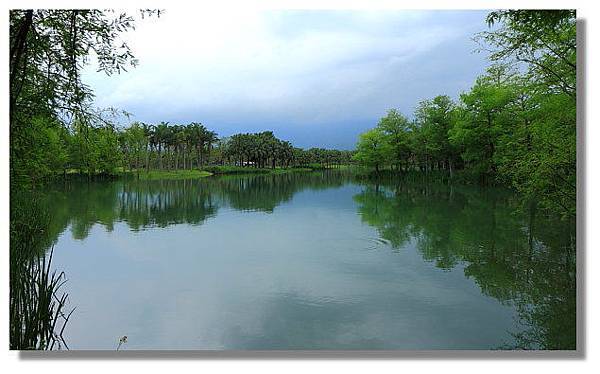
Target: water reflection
[
  {"x": 312, "y": 276},
  {"x": 160, "y": 203},
  {"x": 517, "y": 258}
]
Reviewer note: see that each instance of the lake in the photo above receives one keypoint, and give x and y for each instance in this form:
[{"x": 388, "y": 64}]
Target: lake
[{"x": 314, "y": 260}]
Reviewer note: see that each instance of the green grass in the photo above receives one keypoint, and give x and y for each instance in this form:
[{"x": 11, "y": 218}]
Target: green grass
[
  {"x": 171, "y": 174},
  {"x": 204, "y": 172},
  {"x": 289, "y": 170},
  {"x": 230, "y": 169},
  {"x": 152, "y": 174}
]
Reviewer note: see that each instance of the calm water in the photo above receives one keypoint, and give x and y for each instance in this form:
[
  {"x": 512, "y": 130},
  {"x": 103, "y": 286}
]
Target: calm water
[{"x": 310, "y": 261}]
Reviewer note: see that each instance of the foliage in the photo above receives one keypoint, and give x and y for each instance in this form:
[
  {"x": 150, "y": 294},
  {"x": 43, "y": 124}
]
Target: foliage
[
  {"x": 545, "y": 40},
  {"x": 373, "y": 149},
  {"x": 146, "y": 149},
  {"x": 516, "y": 126},
  {"x": 52, "y": 128},
  {"x": 48, "y": 48}
]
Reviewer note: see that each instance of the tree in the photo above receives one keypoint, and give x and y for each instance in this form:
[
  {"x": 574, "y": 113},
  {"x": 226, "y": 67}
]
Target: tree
[
  {"x": 395, "y": 127},
  {"x": 545, "y": 40},
  {"x": 135, "y": 144},
  {"x": 106, "y": 141},
  {"x": 48, "y": 48},
  {"x": 482, "y": 119},
  {"x": 160, "y": 137},
  {"x": 210, "y": 139},
  {"x": 435, "y": 118},
  {"x": 373, "y": 149},
  {"x": 544, "y": 164}
]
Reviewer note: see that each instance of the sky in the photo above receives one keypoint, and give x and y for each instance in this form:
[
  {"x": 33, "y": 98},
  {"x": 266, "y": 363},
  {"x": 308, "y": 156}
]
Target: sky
[{"x": 316, "y": 78}]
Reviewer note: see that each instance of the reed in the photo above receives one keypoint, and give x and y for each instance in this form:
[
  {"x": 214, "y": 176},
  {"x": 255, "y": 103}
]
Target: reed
[{"x": 37, "y": 302}]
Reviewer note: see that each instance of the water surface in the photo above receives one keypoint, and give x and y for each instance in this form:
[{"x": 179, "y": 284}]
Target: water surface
[{"x": 310, "y": 261}]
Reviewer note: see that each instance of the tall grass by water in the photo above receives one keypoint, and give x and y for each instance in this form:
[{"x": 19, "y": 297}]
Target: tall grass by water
[{"x": 38, "y": 315}]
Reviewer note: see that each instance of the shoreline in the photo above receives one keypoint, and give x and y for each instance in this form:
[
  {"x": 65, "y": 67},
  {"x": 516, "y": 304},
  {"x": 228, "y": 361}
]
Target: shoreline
[{"x": 199, "y": 173}]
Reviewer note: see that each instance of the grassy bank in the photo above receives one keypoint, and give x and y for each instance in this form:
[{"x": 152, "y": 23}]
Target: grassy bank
[
  {"x": 210, "y": 170},
  {"x": 229, "y": 169},
  {"x": 195, "y": 173},
  {"x": 145, "y": 175},
  {"x": 171, "y": 174}
]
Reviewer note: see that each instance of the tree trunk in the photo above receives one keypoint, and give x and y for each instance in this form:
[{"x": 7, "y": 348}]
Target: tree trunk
[
  {"x": 17, "y": 52},
  {"x": 159, "y": 158},
  {"x": 148, "y": 160}
]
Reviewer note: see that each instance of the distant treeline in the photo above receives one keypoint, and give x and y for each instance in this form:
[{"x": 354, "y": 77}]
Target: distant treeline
[
  {"x": 106, "y": 149},
  {"x": 516, "y": 126},
  {"x": 55, "y": 129}
]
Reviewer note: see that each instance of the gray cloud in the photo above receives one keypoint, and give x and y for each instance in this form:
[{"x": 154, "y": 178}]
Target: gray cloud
[{"x": 316, "y": 77}]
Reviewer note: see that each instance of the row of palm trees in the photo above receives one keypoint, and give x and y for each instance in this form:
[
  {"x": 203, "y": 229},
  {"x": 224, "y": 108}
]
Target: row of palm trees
[
  {"x": 258, "y": 150},
  {"x": 263, "y": 149},
  {"x": 170, "y": 147},
  {"x": 178, "y": 146}
]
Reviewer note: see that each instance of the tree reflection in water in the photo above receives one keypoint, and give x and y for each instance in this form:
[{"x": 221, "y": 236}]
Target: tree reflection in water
[
  {"x": 516, "y": 256},
  {"x": 519, "y": 258}
]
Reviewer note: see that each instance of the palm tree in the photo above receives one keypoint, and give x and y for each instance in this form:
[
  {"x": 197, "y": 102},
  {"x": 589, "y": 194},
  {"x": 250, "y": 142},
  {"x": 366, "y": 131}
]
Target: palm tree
[
  {"x": 169, "y": 145},
  {"x": 160, "y": 135},
  {"x": 196, "y": 134},
  {"x": 286, "y": 153},
  {"x": 211, "y": 138},
  {"x": 149, "y": 133},
  {"x": 188, "y": 142}
]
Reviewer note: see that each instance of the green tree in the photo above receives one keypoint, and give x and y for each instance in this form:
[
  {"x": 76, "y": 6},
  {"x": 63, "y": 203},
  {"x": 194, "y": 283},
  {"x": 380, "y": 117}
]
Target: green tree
[
  {"x": 540, "y": 158},
  {"x": 395, "y": 127},
  {"x": 545, "y": 40},
  {"x": 435, "y": 118},
  {"x": 373, "y": 149},
  {"x": 482, "y": 119},
  {"x": 48, "y": 49},
  {"x": 136, "y": 143}
]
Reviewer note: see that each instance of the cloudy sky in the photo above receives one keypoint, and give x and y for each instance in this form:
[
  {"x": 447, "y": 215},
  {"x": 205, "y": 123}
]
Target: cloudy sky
[{"x": 316, "y": 78}]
